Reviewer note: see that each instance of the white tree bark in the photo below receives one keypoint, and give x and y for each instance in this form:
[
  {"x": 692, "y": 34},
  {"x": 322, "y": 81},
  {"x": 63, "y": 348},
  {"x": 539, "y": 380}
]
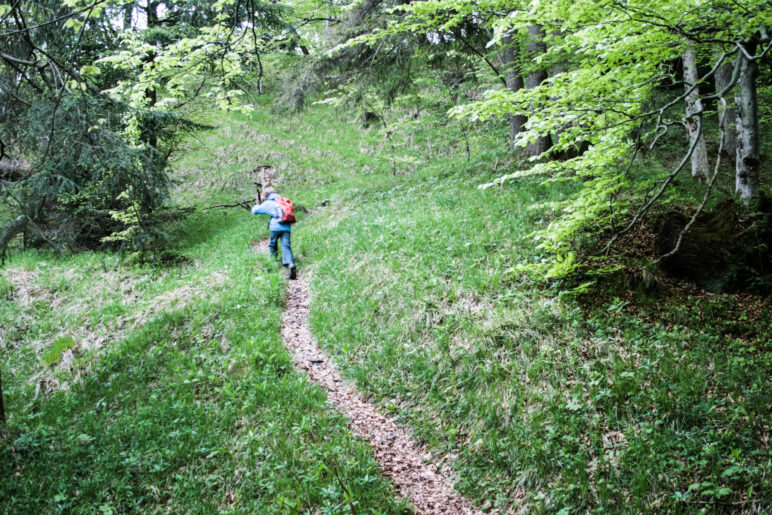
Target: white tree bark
[
  {"x": 747, "y": 155},
  {"x": 728, "y": 115},
  {"x": 700, "y": 166}
]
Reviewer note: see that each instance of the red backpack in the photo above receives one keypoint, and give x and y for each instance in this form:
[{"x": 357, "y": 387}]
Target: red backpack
[{"x": 287, "y": 211}]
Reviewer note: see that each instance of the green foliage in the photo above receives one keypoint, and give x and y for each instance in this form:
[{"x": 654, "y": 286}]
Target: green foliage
[
  {"x": 87, "y": 172},
  {"x": 95, "y": 112},
  {"x": 608, "y": 63}
]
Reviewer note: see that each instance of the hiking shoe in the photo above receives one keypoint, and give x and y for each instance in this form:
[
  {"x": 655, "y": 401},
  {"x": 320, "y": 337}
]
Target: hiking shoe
[{"x": 293, "y": 271}]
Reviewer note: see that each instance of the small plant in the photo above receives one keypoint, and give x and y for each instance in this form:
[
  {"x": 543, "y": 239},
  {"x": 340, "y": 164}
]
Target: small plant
[
  {"x": 6, "y": 288},
  {"x": 53, "y": 354}
]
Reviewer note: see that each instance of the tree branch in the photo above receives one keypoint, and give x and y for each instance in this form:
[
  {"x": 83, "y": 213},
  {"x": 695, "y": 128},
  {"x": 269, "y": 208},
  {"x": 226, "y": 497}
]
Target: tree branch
[
  {"x": 51, "y": 22},
  {"x": 480, "y": 54},
  {"x": 242, "y": 203},
  {"x": 707, "y": 191},
  {"x": 656, "y": 197}
]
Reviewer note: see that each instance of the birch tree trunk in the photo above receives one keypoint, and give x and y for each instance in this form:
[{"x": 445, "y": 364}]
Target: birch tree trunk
[
  {"x": 700, "y": 167},
  {"x": 537, "y": 46},
  {"x": 723, "y": 78},
  {"x": 514, "y": 83},
  {"x": 747, "y": 154},
  {"x": 128, "y": 16}
]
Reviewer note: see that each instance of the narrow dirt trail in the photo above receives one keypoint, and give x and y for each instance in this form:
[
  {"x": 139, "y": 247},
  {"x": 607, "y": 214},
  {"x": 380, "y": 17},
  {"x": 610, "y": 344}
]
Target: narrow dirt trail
[{"x": 427, "y": 487}]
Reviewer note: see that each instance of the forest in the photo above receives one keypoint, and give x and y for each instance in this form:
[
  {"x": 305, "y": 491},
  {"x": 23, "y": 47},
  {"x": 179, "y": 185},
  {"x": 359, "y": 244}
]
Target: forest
[{"x": 533, "y": 246}]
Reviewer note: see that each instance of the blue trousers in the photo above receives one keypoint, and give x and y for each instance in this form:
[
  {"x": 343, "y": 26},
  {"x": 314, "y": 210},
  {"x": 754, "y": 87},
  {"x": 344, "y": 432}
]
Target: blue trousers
[{"x": 286, "y": 251}]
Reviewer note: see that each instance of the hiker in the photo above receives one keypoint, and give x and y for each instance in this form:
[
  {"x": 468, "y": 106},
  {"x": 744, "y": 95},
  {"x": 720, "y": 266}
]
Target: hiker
[{"x": 280, "y": 227}]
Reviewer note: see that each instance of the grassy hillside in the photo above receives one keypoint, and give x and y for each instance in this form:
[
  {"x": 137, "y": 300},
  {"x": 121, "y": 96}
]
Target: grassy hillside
[
  {"x": 651, "y": 402},
  {"x": 179, "y": 395},
  {"x": 166, "y": 388}
]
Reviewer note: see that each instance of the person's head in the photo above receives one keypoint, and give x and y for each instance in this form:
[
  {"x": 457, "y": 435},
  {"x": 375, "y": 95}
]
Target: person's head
[{"x": 267, "y": 191}]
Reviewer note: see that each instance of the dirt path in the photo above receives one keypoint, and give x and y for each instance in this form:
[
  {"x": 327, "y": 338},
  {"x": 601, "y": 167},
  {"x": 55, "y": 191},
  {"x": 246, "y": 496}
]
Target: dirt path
[{"x": 402, "y": 460}]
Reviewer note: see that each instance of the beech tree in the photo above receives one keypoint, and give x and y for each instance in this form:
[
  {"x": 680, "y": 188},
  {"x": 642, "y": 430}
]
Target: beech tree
[
  {"x": 541, "y": 142},
  {"x": 700, "y": 166},
  {"x": 727, "y": 115},
  {"x": 747, "y": 161},
  {"x": 607, "y": 94},
  {"x": 514, "y": 83}
]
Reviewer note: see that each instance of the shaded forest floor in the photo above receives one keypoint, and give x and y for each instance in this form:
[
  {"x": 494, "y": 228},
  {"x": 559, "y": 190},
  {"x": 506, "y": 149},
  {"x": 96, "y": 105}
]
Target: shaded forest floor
[{"x": 181, "y": 397}]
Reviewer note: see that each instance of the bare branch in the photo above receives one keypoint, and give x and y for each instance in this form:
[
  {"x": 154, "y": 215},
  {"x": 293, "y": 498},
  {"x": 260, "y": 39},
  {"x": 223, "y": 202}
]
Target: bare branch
[
  {"x": 659, "y": 193},
  {"x": 16, "y": 60},
  {"x": 242, "y": 203},
  {"x": 707, "y": 191}
]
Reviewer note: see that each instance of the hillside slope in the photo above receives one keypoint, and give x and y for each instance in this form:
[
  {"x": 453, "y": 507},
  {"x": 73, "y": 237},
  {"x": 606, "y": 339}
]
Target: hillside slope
[
  {"x": 646, "y": 402},
  {"x": 165, "y": 388},
  {"x": 189, "y": 402}
]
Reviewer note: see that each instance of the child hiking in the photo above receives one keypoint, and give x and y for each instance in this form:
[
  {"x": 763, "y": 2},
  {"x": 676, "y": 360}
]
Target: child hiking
[{"x": 282, "y": 216}]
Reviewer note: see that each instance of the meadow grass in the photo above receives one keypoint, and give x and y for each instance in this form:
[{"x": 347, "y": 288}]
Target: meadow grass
[
  {"x": 179, "y": 396},
  {"x": 658, "y": 404},
  {"x": 638, "y": 403}
]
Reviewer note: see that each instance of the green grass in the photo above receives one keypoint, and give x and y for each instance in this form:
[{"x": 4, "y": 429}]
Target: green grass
[
  {"x": 53, "y": 354},
  {"x": 189, "y": 403}
]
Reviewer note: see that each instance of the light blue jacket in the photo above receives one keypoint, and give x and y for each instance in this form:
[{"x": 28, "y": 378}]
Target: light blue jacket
[{"x": 271, "y": 208}]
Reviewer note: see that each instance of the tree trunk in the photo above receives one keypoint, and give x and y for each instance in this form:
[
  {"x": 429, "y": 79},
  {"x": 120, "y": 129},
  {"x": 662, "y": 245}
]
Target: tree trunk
[
  {"x": 700, "y": 167},
  {"x": 128, "y": 12},
  {"x": 723, "y": 77},
  {"x": 514, "y": 83},
  {"x": 537, "y": 46},
  {"x": 152, "y": 13},
  {"x": 747, "y": 154},
  {"x": 11, "y": 229},
  {"x": 2, "y": 406}
]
